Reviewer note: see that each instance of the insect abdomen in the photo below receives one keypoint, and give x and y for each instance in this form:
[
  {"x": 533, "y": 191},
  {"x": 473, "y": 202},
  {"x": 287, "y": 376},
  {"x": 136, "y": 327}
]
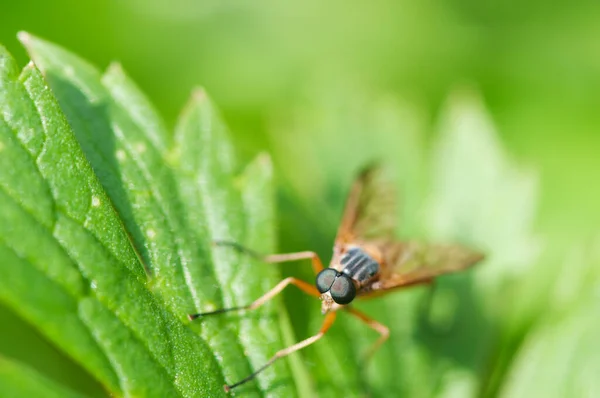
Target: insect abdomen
[{"x": 358, "y": 265}]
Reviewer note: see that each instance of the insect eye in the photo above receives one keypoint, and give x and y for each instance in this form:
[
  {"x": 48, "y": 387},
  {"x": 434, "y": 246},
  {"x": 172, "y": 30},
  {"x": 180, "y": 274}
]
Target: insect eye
[
  {"x": 343, "y": 290},
  {"x": 325, "y": 279}
]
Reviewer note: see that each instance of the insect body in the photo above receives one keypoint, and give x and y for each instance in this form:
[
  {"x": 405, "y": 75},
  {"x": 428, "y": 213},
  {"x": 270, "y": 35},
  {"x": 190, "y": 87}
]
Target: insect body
[
  {"x": 367, "y": 261},
  {"x": 339, "y": 284}
]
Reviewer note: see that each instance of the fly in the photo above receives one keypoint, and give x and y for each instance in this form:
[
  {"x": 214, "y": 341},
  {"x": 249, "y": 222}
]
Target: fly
[{"x": 367, "y": 261}]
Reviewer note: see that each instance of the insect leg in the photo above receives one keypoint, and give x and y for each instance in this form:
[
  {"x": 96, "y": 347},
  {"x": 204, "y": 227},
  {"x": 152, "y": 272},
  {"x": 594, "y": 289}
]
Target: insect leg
[
  {"x": 276, "y": 258},
  {"x": 329, "y": 319},
  {"x": 317, "y": 265},
  {"x": 381, "y": 329},
  {"x": 305, "y": 287}
]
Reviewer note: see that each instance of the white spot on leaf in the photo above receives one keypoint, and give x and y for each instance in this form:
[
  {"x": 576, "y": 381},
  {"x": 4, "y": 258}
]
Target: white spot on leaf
[
  {"x": 140, "y": 147},
  {"x": 121, "y": 155}
]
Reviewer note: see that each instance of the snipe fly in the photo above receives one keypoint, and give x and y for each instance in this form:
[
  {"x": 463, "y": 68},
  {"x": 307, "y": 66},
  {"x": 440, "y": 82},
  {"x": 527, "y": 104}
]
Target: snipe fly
[{"x": 367, "y": 261}]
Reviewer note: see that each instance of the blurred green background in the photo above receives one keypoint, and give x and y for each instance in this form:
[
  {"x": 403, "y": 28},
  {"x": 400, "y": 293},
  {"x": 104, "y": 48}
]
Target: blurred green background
[
  {"x": 307, "y": 81},
  {"x": 536, "y": 66}
]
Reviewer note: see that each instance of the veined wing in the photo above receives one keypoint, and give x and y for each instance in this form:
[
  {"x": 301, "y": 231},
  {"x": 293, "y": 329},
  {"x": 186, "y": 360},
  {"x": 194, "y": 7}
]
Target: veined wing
[
  {"x": 408, "y": 263},
  {"x": 370, "y": 211}
]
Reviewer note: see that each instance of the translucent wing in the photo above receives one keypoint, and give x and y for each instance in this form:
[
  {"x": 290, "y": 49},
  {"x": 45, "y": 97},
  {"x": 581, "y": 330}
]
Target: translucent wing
[
  {"x": 370, "y": 212},
  {"x": 408, "y": 263}
]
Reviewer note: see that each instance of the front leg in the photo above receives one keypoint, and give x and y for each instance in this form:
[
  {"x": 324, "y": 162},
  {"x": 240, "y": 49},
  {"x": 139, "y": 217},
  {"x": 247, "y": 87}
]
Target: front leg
[{"x": 305, "y": 287}]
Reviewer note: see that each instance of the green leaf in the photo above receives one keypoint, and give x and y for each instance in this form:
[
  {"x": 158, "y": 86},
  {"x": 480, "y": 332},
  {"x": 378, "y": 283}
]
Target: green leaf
[
  {"x": 18, "y": 380},
  {"x": 475, "y": 185},
  {"x": 213, "y": 204},
  {"x": 106, "y": 221},
  {"x": 562, "y": 348},
  {"x": 563, "y": 345},
  {"x": 38, "y": 278},
  {"x": 480, "y": 196}
]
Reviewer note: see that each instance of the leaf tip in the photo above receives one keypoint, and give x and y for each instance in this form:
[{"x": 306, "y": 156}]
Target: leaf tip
[
  {"x": 29, "y": 67},
  {"x": 199, "y": 94},
  {"x": 115, "y": 69},
  {"x": 31, "y": 43},
  {"x": 28, "y": 70},
  {"x": 264, "y": 159},
  {"x": 24, "y": 37}
]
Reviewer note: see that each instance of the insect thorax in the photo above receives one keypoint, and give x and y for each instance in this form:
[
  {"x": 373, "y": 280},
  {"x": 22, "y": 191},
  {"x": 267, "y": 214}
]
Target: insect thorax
[{"x": 358, "y": 265}]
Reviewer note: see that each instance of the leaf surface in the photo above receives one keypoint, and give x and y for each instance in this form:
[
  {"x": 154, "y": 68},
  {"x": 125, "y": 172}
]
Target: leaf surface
[{"x": 106, "y": 221}]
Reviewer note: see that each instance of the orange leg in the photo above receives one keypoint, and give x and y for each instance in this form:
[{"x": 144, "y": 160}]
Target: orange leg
[
  {"x": 305, "y": 287},
  {"x": 381, "y": 329},
  {"x": 329, "y": 319},
  {"x": 317, "y": 265}
]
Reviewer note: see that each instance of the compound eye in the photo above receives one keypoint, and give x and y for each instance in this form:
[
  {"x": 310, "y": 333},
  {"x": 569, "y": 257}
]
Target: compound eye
[
  {"x": 343, "y": 290},
  {"x": 325, "y": 279}
]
